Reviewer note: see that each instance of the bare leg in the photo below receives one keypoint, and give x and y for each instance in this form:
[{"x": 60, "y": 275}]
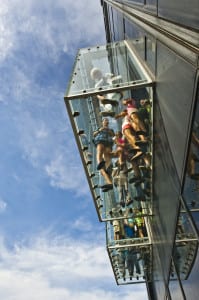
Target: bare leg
[
  {"x": 106, "y": 176},
  {"x": 130, "y": 138},
  {"x": 107, "y": 156},
  {"x": 140, "y": 232},
  {"x": 137, "y": 124},
  {"x": 100, "y": 152},
  {"x": 147, "y": 160}
]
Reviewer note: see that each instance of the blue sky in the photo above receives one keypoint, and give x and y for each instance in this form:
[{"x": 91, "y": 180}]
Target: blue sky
[{"x": 52, "y": 246}]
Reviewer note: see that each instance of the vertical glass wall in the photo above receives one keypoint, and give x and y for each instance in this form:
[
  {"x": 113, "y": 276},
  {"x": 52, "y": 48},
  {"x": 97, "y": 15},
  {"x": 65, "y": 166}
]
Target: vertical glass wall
[
  {"x": 191, "y": 185},
  {"x": 180, "y": 12},
  {"x": 173, "y": 105},
  {"x": 186, "y": 245}
]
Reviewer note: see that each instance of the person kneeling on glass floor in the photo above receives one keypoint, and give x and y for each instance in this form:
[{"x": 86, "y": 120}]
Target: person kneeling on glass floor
[
  {"x": 103, "y": 140},
  {"x": 136, "y": 122},
  {"x": 110, "y": 100}
]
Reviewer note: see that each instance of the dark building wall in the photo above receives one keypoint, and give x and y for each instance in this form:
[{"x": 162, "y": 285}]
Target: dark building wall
[
  {"x": 174, "y": 100},
  {"x": 181, "y": 11}
]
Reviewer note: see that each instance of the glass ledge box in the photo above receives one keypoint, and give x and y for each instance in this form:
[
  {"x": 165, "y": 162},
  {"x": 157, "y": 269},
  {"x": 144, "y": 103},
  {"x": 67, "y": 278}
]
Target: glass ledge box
[{"x": 102, "y": 78}]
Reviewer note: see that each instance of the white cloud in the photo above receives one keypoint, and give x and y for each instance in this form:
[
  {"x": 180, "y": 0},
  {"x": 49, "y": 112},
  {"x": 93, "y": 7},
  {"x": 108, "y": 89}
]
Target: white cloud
[
  {"x": 65, "y": 172},
  {"x": 53, "y": 26},
  {"x": 59, "y": 268},
  {"x": 82, "y": 224},
  {"x": 6, "y": 34},
  {"x": 3, "y": 205},
  {"x": 41, "y": 31}
]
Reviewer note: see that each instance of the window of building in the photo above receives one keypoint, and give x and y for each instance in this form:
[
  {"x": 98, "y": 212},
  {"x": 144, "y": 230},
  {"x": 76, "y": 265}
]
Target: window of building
[{"x": 191, "y": 186}]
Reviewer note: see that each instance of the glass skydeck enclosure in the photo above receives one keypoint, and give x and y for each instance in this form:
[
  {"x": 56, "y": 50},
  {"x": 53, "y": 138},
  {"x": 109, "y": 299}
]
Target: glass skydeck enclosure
[{"x": 112, "y": 72}]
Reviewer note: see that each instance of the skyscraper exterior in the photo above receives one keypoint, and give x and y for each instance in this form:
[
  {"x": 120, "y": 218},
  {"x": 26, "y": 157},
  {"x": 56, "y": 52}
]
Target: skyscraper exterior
[
  {"x": 153, "y": 51},
  {"x": 167, "y": 36}
]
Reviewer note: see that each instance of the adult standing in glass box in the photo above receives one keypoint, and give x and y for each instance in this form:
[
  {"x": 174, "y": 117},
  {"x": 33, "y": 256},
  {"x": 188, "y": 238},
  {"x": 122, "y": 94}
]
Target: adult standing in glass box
[{"x": 103, "y": 140}]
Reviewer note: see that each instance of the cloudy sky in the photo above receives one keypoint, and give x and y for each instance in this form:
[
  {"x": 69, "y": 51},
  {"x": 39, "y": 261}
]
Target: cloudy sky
[{"x": 52, "y": 246}]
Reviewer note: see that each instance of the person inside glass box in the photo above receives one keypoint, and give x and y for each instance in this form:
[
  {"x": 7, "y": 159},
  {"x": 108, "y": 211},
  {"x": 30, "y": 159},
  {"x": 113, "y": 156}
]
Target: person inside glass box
[
  {"x": 103, "y": 140},
  {"x": 108, "y": 101}
]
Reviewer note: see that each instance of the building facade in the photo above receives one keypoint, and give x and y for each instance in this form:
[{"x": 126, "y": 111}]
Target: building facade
[
  {"x": 153, "y": 50},
  {"x": 167, "y": 42}
]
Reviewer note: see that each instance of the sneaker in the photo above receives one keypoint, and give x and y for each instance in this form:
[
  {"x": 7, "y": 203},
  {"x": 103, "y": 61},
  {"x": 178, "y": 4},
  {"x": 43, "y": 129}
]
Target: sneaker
[
  {"x": 111, "y": 213},
  {"x": 105, "y": 190},
  {"x": 128, "y": 202},
  {"x": 109, "y": 101},
  {"x": 76, "y": 114},
  {"x": 81, "y": 131},
  {"x": 141, "y": 142},
  {"x": 107, "y": 113},
  {"x": 101, "y": 165},
  {"x": 84, "y": 148},
  {"x": 105, "y": 186},
  {"x": 121, "y": 212},
  {"x": 130, "y": 211}
]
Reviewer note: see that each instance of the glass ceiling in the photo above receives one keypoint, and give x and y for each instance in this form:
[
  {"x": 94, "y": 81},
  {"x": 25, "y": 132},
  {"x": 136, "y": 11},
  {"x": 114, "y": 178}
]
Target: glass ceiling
[{"x": 94, "y": 68}]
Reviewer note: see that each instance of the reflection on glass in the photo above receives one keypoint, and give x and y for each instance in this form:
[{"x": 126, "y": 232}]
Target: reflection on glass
[
  {"x": 191, "y": 187},
  {"x": 175, "y": 289},
  {"x": 151, "y": 53},
  {"x": 186, "y": 246}
]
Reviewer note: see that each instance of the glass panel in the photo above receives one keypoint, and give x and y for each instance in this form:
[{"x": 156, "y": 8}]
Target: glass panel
[
  {"x": 191, "y": 286},
  {"x": 144, "y": 45},
  {"x": 195, "y": 215},
  {"x": 135, "y": 1},
  {"x": 131, "y": 264},
  {"x": 119, "y": 170},
  {"x": 117, "y": 25},
  {"x": 176, "y": 114},
  {"x": 175, "y": 289},
  {"x": 191, "y": 186},
  {"x": 165, "y": 203},
  {"x": 105, "y": 68},
  {"x": 151, "y": 2},
  {"x": 180, "y": 12},
  {"x": 186, "y": 246},
  {"x": 151, "y": 53},
  {"x": 136, "y": 36}
]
